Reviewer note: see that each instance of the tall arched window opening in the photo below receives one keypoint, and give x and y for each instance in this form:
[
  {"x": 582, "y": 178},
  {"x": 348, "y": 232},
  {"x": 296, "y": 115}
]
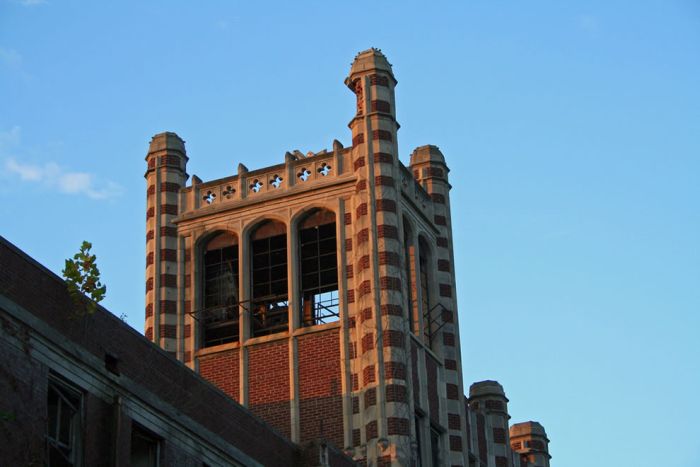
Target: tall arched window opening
[
  {"x": 410, "y": 271},
  {"x": 269, "y": 304},
  {"x": 318, "y": 260},
  {"x": 424, "y": 273},
  {"x": 219, "y": 314}
]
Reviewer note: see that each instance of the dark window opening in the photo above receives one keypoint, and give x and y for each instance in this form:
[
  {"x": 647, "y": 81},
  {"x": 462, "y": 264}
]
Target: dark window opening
[
  {"x": 220, "y": 304},
  {"x": 419, "y": 442},
  {"x": 318, "y": 259},
  {"x": 144, "y": 448},
  {"x": 269, "y": 304},
  {"x": 425, "y": 295},
  {"x": 435, "y": 445},
  {"x": 410, "y": 272},
  {"x": 63, "y": 433}
]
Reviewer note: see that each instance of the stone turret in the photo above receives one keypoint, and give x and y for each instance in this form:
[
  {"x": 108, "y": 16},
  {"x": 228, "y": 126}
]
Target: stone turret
[
  {"x": 529, "y": 441},
  {"x": 489, "y": 402},
  {"x": 166, "y": 174}
]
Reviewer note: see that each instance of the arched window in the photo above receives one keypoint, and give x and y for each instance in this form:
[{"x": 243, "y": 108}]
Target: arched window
[
  {"x": 269, "y": 304},
  {"x": 220, "y": 295},
  {"x": 318, "y": 260},
  {"x": 410, "y": 271},
  {"x": 424, "y": 279}
]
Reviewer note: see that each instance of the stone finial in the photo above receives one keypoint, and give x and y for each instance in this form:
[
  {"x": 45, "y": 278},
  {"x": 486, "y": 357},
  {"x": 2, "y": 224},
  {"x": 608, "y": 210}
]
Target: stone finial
[
  {"x": 337, "y": 145},
  {"x": 486, "y": 388},
  {"x": 242, "y": 169},
  {"x": 368, "y": 62},
  {"x": 427, "y": 153},
  {"x": 167, "y": 141},
  {"x": 196, "y": 180}
]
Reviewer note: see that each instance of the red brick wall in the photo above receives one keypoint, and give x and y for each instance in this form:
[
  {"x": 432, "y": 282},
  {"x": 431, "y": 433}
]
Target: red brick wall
[
  {"x": 222, "y": 369},
  {"x": 320, "y": 402},
  {"x": 268, "y": 384}
]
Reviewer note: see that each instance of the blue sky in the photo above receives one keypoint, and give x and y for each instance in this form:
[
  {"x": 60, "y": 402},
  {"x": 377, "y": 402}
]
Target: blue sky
[{"x": 572, "y": 130}]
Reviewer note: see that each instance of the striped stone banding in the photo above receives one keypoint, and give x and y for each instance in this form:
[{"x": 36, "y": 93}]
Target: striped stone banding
[
  {"x": 388, "y": 205},
  {"x": 446, "y": 290},
  {"x": 368, "y": 375},
  {"x": 391, "y": 310},
  {"x": 390, "y": 283},
  {"x": 170, "y": 209},
  {"x": 393, "y": 338},
  {"x": 168, "y": 330},
  {"x": 382, "y": 135},
  {"x": 380, "y": 106},
  {"x": 389, "y": 258},
  {"x": 387, "y": 231},
  {"x": 398, "y": 426},
  {"x": 168, "y": 307},
  {"x": 384, "y": 180},
  {"x": 383, "y": 157},
  {"x": 168, "y": 280},
  {"x": 169, "y": 187},
  {"x": 371, "y": 430},
  {"x": 364, "y": 288},
  {"x": 396, "y": 393},
  {"x": 367, "y": 343},
  {"x": 394, "y": 370},
  {"x": 370, "y": 397}
]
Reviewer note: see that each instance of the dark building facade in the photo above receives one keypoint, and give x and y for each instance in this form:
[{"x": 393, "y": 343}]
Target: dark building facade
[{"x": 88, "y": 390}]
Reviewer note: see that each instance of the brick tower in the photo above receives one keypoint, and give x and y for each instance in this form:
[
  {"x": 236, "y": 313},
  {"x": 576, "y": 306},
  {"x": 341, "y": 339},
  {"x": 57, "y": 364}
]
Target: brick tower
[
  {"x": 166, "y": 174},
  {"x": 319, "y": 292}
]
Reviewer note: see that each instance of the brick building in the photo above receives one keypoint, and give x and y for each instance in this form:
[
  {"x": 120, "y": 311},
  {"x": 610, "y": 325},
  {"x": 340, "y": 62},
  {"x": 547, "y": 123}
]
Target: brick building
[
  {"x": 88, "y": 390},
  {"x": 320, "y": 293}
]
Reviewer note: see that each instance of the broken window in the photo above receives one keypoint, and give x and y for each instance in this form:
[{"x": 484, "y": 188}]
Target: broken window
[
  {"x": 318, "y": 259},
  {"x": 269, "y": 304},
  {"x": 220, "y": 305},
  {"x": 63, "y": 432}
]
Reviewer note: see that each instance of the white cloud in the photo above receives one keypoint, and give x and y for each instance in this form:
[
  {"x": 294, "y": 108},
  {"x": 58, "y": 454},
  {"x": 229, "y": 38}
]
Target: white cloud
[{"x": 51, "y": 175}]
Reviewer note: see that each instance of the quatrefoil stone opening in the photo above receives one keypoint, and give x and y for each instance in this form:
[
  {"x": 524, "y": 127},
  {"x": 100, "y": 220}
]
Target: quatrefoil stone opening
[
  {"x": 229, "y": 191},
  {"x": 256, "y": 185},
  {"x": 276, "y": 181},
  {"x": 325, "y": 169},
  {"x": 209, "y": 197},
  {"x": 304, "y": 174}
]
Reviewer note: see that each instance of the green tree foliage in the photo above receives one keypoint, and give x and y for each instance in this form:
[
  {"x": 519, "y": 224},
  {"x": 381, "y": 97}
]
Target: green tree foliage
[{"x": 83, "y": 280}]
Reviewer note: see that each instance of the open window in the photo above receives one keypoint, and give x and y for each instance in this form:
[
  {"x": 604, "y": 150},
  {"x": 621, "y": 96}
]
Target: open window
[
  {"x": 269, "y": 304},
  {"x": 318, "y": 260},
  {"x": 64, "y": 430},
  {"x": 219, "y": 315}
]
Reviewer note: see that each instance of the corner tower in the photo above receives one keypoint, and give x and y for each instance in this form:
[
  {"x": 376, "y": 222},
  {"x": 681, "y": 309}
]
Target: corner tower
[
  {"x": 166, "y": 174},
  {"x": 529, "y": 441}
]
